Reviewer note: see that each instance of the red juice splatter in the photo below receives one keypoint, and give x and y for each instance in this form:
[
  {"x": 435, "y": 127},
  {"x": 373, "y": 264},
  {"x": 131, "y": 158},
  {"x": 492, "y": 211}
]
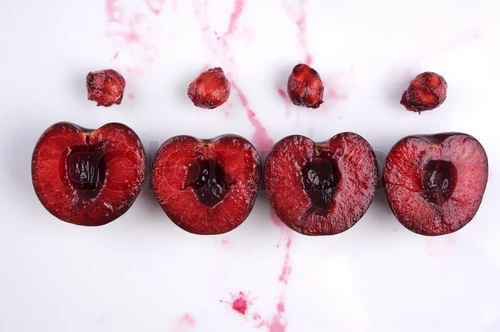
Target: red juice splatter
[
  {"x": 131, "y": 95},
  {"x": 115, "y": 56},
  {"x": 240, "y": 303},
  {"x": 155, "y": 6}
]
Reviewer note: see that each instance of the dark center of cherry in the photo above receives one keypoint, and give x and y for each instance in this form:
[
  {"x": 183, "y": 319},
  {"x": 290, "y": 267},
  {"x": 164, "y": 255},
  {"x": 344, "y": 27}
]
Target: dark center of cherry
[
  {"x": 320, "y": 178},
  {"x": 86, "y": 168},
  {"x": 209, "y": 181},
  {"x": 439, "y": 180}
]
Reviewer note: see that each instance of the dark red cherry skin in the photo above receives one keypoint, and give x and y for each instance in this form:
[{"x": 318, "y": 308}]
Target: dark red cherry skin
[
  {"x": 206, "y": 187},
  {"x": 321, "y": 188},
  {"x": 88, "y": 177},
  {"x": 435, "y": 183},
  {"x": 426, "y": 92},
  {"x": 210, "y": 89},
  {"x": 305, "y": 87},
  {"x": 105, "y": 87}
]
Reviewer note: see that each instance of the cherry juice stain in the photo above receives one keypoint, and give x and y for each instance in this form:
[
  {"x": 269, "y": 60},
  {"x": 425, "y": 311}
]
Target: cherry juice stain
[
  {"x": 286, "y": 270},
  {"x": 155, "y": 6},
  {"x": 233, "y": 20},
  {"x": 260, "y": 136},
  {"x": 239, "y": 303},
  {"x": 129, "y": 29},
  {"x": 300, "y": 18}
]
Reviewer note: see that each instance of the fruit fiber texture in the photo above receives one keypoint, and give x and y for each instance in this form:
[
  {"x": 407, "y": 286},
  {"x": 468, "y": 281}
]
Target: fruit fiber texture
[
  {"x": 426, "y": 92},
  {"x": 210, "y": 89},
  {"x": 434, "y": 184},
  {"x": 305, "y": 87},
  {"x": 206, "y": 186},
  {"x": 105, "y": 87},
  {"x": 321, "y": 188},
  {"x": 88, "y": 177}
]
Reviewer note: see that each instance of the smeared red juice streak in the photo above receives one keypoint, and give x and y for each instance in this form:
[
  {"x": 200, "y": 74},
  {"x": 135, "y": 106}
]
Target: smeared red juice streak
[
  {"x": 260, "y": 136},
  {"x": 115, "y": 56},
  {"x": 300, "y": 19},
  {"x": 155, "y": 6},
  {"x": 277, "y": 323},
  {"x": 233, "y": 20},
  {"x": 286, "y": 269}
]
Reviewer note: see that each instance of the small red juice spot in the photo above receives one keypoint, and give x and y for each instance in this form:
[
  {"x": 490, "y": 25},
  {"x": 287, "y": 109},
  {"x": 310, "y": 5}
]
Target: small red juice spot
[{"x": 240, "y": 304}]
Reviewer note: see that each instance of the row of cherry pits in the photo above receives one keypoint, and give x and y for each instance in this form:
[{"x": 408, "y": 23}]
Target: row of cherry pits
[{"x": 305, "y": 88}]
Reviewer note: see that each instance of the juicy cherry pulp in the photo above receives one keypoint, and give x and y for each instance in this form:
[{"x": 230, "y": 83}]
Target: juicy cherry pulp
[
  {"x": 206, "y": 186},
  {"x": 438, "y": 181},
  {"x": 208, "y": 180},
  {"x": 321, "y": 188},
  {"x": 88, "y": 177}
]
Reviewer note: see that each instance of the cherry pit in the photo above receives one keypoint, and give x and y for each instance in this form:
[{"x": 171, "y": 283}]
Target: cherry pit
[{"x": 434, "y": 184}]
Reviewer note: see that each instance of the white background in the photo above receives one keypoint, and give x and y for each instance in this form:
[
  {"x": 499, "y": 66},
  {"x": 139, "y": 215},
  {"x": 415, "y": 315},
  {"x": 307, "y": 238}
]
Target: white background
[{"x": 141, "y": 272}]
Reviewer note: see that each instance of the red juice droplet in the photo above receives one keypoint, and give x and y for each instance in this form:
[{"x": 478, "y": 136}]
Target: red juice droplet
[{"x": 240, "y": 304}]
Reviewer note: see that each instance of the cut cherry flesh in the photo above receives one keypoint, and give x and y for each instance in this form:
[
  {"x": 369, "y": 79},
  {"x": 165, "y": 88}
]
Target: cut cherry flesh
[
  {"x": 88, "y": 177},
  {"x": 435, "y": 184},
  {"x": 206, "y": 187},
  {"x": 321, "y": 189}
]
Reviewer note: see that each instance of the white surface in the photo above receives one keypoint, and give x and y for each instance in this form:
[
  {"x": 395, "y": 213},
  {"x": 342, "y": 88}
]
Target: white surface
[{"x": 141, "y": 272}]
